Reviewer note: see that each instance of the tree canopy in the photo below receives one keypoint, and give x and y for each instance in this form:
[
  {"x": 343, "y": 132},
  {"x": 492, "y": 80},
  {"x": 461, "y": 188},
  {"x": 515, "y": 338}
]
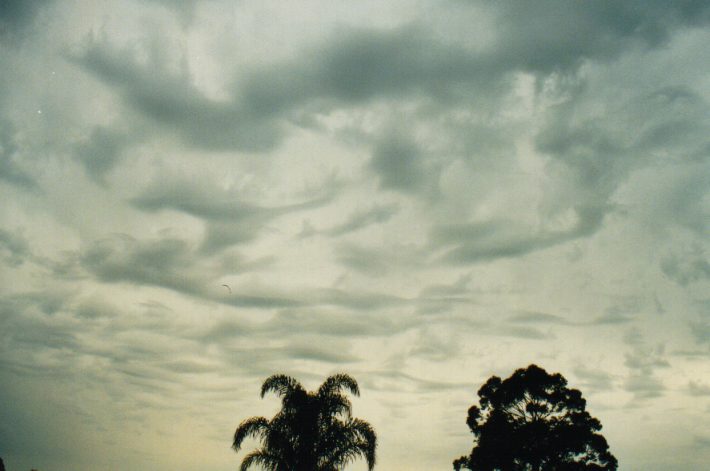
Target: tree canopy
[
  {"x": 532, "y": 421},
  {"x": 313, "y": 431}
]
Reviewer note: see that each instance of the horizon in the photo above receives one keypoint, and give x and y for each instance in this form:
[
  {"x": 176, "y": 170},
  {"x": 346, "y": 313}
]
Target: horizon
[{"x": 198, "y": 194}]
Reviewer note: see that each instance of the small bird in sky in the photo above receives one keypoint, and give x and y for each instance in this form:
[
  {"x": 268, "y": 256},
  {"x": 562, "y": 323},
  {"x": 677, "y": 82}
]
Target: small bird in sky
[{"x": 228, "y": 288}]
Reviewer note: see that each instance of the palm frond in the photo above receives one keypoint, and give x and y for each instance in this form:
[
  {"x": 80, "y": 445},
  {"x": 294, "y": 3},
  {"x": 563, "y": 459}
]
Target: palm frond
[
  {"x": 281, "y": 384},
  {"x": 262, "y": 458},
  {"x": 335, "y": 383},
  {"x": 256, "y": 427}
]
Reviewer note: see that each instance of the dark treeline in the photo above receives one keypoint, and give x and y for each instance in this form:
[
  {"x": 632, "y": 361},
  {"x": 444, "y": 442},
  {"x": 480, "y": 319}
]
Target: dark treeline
[{"x": 530, "y": 421}]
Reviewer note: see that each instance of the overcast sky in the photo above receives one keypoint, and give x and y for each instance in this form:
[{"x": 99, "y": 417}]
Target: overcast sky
[{"x": 418, "y": 193}]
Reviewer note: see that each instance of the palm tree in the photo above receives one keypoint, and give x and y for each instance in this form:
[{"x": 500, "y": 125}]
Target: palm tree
[{"x": 313, "y": 431}]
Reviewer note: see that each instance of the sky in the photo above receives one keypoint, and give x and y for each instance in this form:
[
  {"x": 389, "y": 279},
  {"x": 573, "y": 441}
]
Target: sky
[{"x": 421, "y": 194}]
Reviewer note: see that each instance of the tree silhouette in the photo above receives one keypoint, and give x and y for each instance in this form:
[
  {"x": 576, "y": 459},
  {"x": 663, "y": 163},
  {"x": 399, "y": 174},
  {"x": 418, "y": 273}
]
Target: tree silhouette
[
  {"x": 313, "y": 431},
  {"x": 533, "y": 422}
]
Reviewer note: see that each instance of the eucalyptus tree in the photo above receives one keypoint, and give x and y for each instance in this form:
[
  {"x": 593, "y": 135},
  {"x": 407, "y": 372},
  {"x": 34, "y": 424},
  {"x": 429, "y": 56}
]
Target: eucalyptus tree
[
  {"x": 532, "y": 421},
  {"x": 313, "y": 430}
]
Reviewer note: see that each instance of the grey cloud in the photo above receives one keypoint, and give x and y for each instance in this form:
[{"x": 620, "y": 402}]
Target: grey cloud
[
  {"x": 337, "y": 355},
  {"x": 230, "y": 219},
  {"x": 686, "y": 268},
  {"x": 338, "y": 324},
  {"x": 396, "y": 380},
  {"x": 361, "y": 65},
  {"x": 642, "y": 362},
  {"x": 528, "y": 333},
  {"x": 14, "y": 249},
  {"x": 101, "y": 151},
  {"x": 559, "y": 35},
  {"x": 612, "y": 318},
  {"x": 359, "y": 220},
  {"x": 397, "y": 161},
  {"x": 165, "y": 263},
  {"x": 456, "y": 289},
  {"x": 701, "y": 330},
  {"x": 594, "y": 380},
  {"x": 644, "y": 386},
  {"x": 379, "y": 260},
  {"x": 173, "y": 101},
  {"x": 16, "y": 15},
  {"x": 696, "y": 388},
  {"x": 11, "y": 170},
  {"x": 597, "y": 155},
  {"x": 465, "y": 243},
  {"x": 440, "y": 298},
  {"x": 538, "y": 318},
  {"x": 172, "y": 264}
]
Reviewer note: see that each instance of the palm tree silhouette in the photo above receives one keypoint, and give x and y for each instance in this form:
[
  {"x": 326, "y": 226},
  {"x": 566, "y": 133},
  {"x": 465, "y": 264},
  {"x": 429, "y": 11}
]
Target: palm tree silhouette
[{"x": 313, "y": 431}]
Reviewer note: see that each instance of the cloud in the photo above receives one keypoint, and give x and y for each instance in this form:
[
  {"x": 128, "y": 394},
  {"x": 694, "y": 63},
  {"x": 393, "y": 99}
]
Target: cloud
[
  {"x": 538, "y": 318},
  {"x": 166, "y": 263},
  {"x": 101, "y": 151},
  {"x": 642, "y": 362},
  {"x": 380, "y": 260},
  {"x": 14, "y": 249},
  {"x": 686, "y": 268},
  {"x": 397, "y": 161},
  {"x": 11, "y": 170},
  {"x": 529, "y": 35},
  {"x": 378, "y": 214},
  {"x": 465, "y": 243},
  {"x": 698, "y": 389},
  {"x": 171, "y": 99},
  {"x": 229, "y": 218},
  {"x": 16, "y": 15},
  {"x": 594, "y": 379},
  {"x": 173, "y": 264}
]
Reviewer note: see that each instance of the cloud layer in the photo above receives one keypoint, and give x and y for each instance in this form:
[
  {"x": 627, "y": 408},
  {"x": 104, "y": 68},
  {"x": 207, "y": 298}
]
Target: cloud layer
[{"x": 199, "y": 194}]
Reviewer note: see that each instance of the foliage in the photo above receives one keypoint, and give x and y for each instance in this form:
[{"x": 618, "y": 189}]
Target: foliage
[
  {"x": 533, "y": 422},
  {"x": 313, "y": 431}
]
